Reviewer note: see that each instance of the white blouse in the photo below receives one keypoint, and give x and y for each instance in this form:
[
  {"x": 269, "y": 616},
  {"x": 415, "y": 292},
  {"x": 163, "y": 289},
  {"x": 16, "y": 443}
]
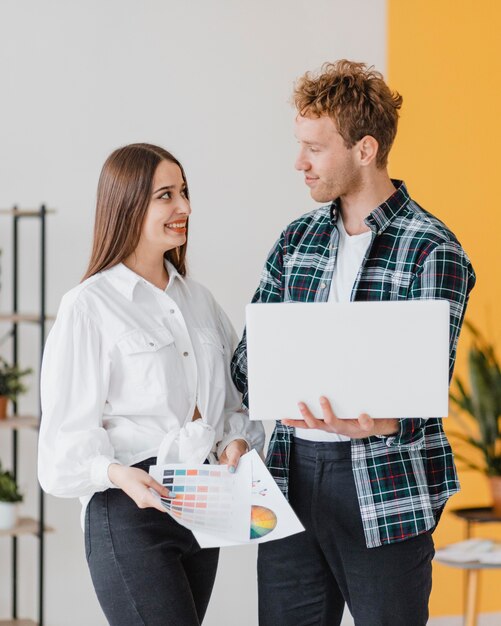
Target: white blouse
[{"x": 124, "y": 367}]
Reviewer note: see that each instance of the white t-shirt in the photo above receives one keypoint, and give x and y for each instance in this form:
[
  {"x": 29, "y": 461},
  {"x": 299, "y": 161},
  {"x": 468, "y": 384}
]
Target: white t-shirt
[{"x": 350, "y": 254}]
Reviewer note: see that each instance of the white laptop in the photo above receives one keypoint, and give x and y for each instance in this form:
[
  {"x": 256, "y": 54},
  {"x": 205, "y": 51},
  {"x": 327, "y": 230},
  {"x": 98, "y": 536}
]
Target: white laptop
[{"x": 387, "y": 359}]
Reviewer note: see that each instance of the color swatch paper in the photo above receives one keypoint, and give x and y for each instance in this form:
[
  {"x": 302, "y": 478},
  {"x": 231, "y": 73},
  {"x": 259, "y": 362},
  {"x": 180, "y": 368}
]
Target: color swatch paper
[
  {"x": 208, "y": 498},
  {"x": 224, "y": 509}
]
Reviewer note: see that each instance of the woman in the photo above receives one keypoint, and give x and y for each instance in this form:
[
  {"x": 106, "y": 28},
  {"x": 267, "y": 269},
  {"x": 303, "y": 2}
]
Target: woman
[{"x": 135, "y": 370}]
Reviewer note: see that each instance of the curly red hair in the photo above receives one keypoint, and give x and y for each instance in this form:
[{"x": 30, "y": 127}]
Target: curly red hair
[{"x": 356, "y": 97}]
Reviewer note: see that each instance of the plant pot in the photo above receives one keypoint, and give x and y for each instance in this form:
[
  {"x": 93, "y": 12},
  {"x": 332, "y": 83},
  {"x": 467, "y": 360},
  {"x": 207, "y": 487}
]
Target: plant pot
[
  {"x": 3, "y": 407},
  {"x": 8, "y": 515},
  {"x": 495, "y": 482}
]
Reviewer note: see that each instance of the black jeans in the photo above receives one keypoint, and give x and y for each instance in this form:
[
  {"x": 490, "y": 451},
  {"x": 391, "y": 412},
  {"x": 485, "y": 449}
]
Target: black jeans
[
  {"x": 305, "y": 579},
  {"x": 147, "y": 569}
]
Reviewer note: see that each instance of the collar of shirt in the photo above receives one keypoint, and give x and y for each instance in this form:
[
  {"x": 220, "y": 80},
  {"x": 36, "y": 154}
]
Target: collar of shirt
[
  {"x": 125, "y": 280},
  {"x": 382, "y": 216}
]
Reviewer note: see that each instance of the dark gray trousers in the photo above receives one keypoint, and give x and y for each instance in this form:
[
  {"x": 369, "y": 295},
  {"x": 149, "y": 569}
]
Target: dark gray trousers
[
  {"x": 147, "y": 569},
  {"x": 306, "y": 579}
]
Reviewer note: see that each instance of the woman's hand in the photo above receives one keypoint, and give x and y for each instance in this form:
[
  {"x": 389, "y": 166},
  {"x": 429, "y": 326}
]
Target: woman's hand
[
  {"x": 363, "y": 426},
  {"x": 232, "y": 453},
  {"x": 136, "y": 483}
]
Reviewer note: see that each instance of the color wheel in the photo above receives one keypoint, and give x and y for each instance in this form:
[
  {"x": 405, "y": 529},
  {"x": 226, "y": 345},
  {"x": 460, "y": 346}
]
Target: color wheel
[{"x": 263, "y": 521}]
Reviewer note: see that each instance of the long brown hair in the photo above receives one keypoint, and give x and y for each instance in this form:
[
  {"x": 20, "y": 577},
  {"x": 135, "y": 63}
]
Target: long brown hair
[{"x": 123, "y": 196}]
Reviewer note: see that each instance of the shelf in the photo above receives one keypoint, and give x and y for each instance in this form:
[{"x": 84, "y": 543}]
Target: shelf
[
  {"x": 20, "y": 421},
  {"x": 25, "y": 213},
  {"x": 15, "y": 318},
  {"x": 11, "y": 326},
  {"x": 24, "y": 526}
]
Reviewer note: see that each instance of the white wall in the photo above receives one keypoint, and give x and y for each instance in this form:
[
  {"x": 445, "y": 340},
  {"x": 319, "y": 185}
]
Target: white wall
[{"x": 208, "y": 79}]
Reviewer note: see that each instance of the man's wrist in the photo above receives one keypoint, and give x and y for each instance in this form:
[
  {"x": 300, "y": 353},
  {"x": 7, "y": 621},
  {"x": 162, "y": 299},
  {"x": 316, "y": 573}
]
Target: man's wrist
[{"x": 387, "y": 428}]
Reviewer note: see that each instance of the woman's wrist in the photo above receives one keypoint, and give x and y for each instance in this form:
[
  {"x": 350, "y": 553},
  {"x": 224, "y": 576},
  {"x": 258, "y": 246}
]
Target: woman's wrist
[{"x": 113, "y": 472}]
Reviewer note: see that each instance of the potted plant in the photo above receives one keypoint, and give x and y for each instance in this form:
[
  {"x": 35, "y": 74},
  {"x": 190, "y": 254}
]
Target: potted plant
[
  {"x": 482, "y": 402},
  {"x": 10, "y": 384},
  {"x": 9, "y": 497}
]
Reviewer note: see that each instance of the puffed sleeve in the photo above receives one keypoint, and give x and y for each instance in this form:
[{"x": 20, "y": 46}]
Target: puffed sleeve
[
  {"x": 74, "y": 449},
  {"x": 237, "y": 424}
]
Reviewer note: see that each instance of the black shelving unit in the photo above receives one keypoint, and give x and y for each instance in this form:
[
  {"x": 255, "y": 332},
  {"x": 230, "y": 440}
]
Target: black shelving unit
[{"x": 18, "y": 422}]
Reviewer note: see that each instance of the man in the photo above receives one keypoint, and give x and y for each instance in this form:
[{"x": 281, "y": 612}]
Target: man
[{"x": 369, "y": 492}]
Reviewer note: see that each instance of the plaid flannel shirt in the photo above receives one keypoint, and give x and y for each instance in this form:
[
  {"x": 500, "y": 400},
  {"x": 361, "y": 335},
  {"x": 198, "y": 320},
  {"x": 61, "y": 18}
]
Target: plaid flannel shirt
[{"x": 403, "y": 480}]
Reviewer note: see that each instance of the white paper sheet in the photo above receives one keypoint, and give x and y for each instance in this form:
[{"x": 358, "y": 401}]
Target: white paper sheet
[
  {"x": 475, "y": 550},
  {"x": 224, "y": 509}
]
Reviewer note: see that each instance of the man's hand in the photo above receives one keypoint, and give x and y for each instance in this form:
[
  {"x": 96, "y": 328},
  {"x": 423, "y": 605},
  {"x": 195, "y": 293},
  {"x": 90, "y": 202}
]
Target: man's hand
[
  {"x": 232, "y": 453},
  {"x": 363, "y": 426},
  {"x": 136, "y": 483}
]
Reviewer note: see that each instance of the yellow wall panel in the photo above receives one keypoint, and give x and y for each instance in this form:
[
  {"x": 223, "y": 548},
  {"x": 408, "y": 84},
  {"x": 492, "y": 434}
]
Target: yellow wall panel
[{"x": 444, "y": 57}]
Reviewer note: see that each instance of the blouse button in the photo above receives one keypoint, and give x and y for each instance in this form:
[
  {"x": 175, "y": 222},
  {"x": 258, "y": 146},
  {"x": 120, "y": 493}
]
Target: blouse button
[
  {"x": 172, "y": 311},
  {"x": 185, "y": 353},
  {"x": 323, "y": 286},
  {"x": 151, "y": 344}
]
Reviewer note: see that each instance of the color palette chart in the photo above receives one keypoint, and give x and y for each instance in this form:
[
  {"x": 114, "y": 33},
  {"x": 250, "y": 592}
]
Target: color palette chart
[
  {"x": 204, "y": 497},
  {"x": 224, "y": 509},
  {"x": 263, "y": 521},
  {"x": 208, "y": 498}
]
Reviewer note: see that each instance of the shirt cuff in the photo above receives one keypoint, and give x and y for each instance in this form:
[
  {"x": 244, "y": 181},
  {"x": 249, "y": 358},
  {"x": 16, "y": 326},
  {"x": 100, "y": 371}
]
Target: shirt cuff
[{"x": 99, "y": 473}]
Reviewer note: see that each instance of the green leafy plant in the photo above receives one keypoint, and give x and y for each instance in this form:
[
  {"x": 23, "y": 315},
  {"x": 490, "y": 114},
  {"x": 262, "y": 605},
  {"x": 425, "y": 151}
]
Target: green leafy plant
[
  {"x": 482, "y": 402},
  {"x": 10, "y": 380},
  {"x": 9, "y": 491}
]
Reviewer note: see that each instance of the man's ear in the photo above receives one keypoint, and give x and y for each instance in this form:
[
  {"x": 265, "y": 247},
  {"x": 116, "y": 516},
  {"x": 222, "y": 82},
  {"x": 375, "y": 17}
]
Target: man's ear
[{"x": 367, "y": 149}]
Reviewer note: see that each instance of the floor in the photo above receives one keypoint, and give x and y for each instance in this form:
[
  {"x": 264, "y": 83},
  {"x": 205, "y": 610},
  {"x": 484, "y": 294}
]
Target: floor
[{"x": 486, "y": 619}]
